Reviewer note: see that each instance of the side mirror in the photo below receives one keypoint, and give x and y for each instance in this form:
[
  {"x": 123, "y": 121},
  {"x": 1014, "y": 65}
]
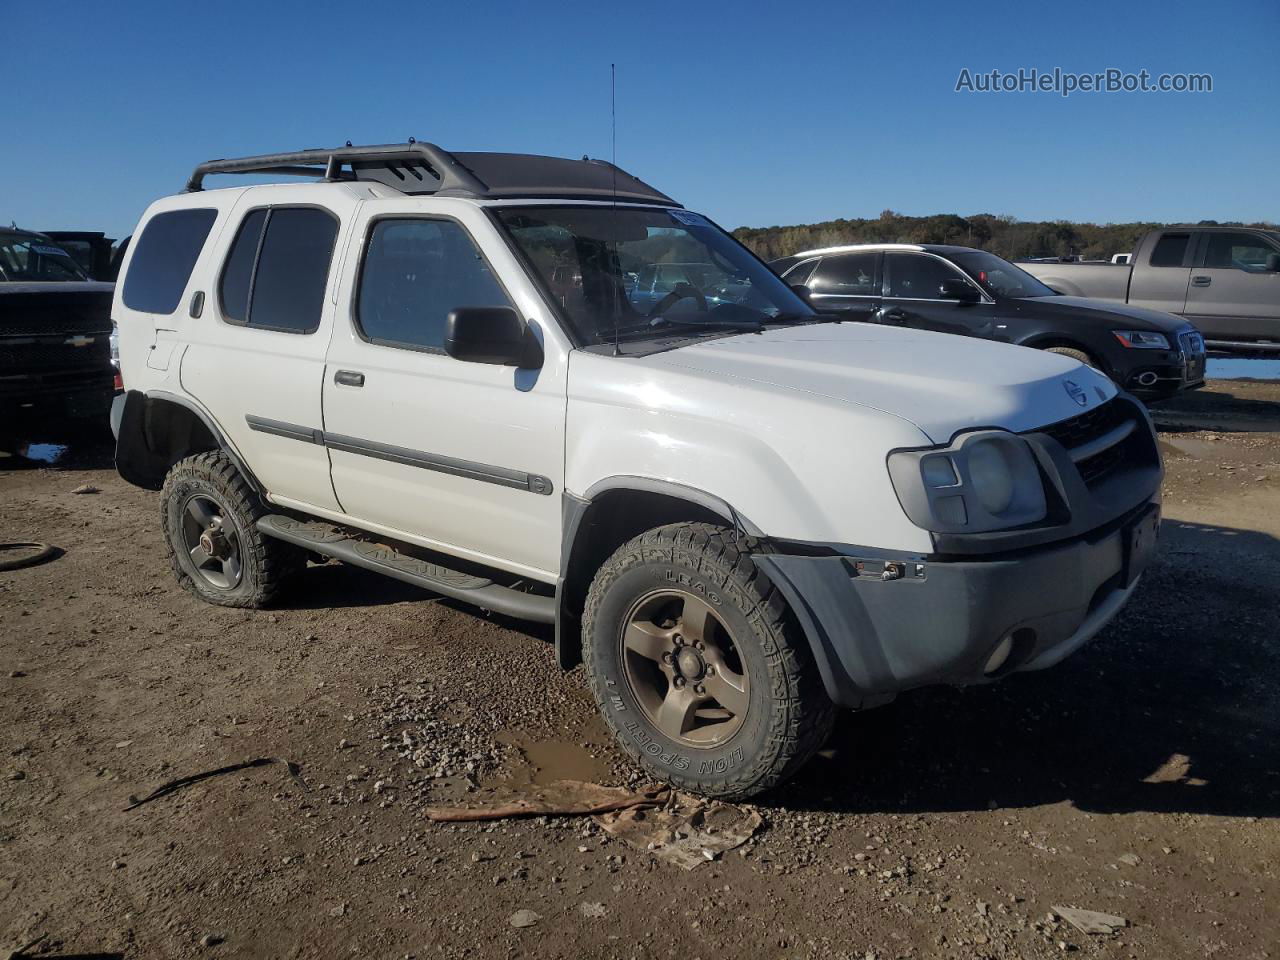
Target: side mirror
[
  {"x": 803, "y": 291},
  {"x": 953, "y": 288},
  {"x": 491, "y": 335},
  {"x": 1273, "y": 263}
]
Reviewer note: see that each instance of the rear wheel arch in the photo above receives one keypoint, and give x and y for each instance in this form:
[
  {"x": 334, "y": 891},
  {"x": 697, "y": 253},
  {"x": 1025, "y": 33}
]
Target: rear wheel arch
[
  {"x": 612, "y": 512},
  {"x": 159, "y": 429}
]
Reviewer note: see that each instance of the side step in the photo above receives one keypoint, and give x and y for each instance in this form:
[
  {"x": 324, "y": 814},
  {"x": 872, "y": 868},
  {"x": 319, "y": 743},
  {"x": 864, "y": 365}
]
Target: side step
[{"x": 332, "y": 541}]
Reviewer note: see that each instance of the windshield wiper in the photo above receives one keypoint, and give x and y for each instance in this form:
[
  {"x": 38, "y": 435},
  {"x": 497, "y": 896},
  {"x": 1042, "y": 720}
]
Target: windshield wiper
[
  {"x": 805, "y": 318},
  {"x": 751, "y": 326}
]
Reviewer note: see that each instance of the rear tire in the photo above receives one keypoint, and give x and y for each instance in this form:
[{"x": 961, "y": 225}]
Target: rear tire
[
  {"x": 698, "y": 666},
  {"x": 208, "y": 512}
]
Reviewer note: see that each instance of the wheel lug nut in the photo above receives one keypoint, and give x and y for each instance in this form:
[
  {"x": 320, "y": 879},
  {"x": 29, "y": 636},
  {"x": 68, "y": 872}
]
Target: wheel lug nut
[
  {"x": 680, "y": 682},
  {"x": 667, "y": 658},
  {"x": 711, "y": 671},
  {"x": 679, "y": 640},
  {"x": 700, "y": 645},
  {"x": 699, "y": 689}
]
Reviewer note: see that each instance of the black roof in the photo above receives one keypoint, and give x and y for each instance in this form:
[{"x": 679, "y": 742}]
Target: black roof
[{"x": 423, "y": 168}]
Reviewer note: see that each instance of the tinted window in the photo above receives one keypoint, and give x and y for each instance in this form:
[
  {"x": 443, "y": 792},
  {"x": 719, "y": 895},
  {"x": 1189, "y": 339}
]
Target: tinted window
[
  {"x": 1243, "y": 251},
  {"x": 414, "y": 273},
  {"x": 915, "y": 276},
  {"x": 1170, "y": 249},
  {"x": 800, "y": 273},
  {"x": 278, "y": 267},
  {"x": 849, "y": 275},
  {"x": 233, "y": 291},
  {"x": 164, "y": 257}
]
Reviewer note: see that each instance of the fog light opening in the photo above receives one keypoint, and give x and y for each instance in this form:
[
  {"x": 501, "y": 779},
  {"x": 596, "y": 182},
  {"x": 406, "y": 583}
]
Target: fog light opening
[
  {"x": 1011, "y": 651},
  {"x": 1147, "y": 379}
]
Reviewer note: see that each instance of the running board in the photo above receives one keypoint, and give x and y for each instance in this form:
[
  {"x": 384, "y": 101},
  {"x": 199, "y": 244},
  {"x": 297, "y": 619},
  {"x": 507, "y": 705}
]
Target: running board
[{"x": 332, "y": 541}]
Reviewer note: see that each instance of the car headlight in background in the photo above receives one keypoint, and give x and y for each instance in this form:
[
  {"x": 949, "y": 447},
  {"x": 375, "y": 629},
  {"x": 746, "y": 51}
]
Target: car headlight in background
[
  {"x": 986, "y": 480},
  {"x": 1141, "y": 339}
]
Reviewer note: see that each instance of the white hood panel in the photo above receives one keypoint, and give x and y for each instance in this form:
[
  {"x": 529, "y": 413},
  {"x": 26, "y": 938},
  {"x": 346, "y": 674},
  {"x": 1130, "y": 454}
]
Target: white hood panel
[{"x": 941, "y": 383}]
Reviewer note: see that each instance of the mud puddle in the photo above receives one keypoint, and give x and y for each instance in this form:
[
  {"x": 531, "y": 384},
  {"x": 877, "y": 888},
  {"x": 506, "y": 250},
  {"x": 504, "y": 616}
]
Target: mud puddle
[{"x": 546, "y": 761}]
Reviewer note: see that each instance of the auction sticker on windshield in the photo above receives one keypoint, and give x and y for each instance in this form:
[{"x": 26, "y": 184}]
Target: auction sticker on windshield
[{"x": 688, "y": 218}]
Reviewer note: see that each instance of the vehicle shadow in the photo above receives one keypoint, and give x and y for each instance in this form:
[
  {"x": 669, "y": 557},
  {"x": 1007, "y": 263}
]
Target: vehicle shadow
[
  {"x": 1175, "y": 708},
  {"x": 1217, "y": 410}
]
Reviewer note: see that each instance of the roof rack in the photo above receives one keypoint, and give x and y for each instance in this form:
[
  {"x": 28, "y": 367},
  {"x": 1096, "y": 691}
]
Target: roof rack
[{"x": 424, "y": 168}]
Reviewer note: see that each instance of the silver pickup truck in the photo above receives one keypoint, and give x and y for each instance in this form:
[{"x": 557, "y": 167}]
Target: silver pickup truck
[{"x": 1225, "y": 280}]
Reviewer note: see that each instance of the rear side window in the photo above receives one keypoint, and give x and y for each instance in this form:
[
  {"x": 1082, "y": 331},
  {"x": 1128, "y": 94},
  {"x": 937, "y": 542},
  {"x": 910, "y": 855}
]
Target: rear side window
[
  {"x": 415, "y": 273},
  {"x": 1170, "y": 249},
  {"x": 846, "y": 275},
  {"x": 276, "y": 273},
  {"x": 164, "y": 257}
]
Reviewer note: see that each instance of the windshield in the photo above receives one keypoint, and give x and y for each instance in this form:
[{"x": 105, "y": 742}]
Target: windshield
[
  {"x": 635, "y": 273},
  {"x": 1000, "y": 277},
  {"x": 24, "y": 257}
]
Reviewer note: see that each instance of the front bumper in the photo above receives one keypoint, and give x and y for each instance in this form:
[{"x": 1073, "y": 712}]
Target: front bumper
[
  {"x": 1162, "y": 373},
  {"x": 941, "y": 621},
  {"x": 53, "y": 399}
]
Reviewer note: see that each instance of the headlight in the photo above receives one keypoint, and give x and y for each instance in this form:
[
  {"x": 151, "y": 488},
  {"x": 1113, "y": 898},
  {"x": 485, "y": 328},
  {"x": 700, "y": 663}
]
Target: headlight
[
  {"x": 1142, "y": 339},
  {"x": 987, "y": 480}
]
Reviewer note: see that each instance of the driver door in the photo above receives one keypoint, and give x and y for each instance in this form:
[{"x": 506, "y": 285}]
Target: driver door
[
  {"x": 463, "y": 457},
  {"x": 912, "y": 283}
]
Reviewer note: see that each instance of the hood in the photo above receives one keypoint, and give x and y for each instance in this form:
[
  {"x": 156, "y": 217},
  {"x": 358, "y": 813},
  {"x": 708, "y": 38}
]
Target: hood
[
  {"x": 939, "y": 382},
  {"x": 1113, "y": 316}
]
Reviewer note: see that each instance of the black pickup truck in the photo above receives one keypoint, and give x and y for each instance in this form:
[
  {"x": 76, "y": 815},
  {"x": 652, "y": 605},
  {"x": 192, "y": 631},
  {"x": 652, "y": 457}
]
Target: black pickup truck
[{"x": 55, "y": 327}]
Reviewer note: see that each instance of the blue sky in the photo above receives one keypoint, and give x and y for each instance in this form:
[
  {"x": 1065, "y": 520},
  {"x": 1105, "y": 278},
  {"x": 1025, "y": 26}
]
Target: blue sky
[{"x": 756, "y": 114}]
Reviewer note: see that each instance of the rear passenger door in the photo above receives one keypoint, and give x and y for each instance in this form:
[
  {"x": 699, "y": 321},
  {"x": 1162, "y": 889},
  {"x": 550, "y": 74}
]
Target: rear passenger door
[
  {"x": 257, "y": 349},
  {"x": 845, "y": 283},
  {"x": 1159, "y": 280},
  {"x": 1233, "y": 293},
  {"x": 463, "y": 457}
]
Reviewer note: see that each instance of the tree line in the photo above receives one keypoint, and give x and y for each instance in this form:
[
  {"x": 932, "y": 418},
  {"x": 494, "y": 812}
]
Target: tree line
[{"x": 1002, "y": 235}]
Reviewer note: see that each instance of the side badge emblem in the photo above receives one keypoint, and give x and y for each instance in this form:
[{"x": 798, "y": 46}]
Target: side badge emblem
[{"x": 1075, "y": 392}]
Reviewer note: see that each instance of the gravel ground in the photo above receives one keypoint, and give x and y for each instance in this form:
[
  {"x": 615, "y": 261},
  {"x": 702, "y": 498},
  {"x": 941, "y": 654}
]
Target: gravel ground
[{"x": 1139, "y": 778}]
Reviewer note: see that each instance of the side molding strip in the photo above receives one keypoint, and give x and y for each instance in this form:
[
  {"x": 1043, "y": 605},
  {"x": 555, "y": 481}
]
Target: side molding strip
[{"x": 502, "y": 476}]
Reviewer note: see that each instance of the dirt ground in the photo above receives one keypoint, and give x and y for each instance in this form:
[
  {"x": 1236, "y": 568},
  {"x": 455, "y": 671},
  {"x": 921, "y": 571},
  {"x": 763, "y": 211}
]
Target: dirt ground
[{"x": 1139, "y": 778}]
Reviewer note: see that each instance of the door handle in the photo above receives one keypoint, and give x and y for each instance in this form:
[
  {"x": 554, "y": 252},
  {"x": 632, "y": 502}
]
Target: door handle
[
  {"x": 349, "y": 378},
  {"x": 890, "y": 315},
  {"x": 1201, "y": 281}
]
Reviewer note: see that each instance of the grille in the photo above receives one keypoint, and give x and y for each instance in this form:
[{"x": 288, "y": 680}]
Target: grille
[
  {"x": 1089, "y": 426},
  {"x": 28, "y": 357},
  {"x": 1192, "y": 355}
]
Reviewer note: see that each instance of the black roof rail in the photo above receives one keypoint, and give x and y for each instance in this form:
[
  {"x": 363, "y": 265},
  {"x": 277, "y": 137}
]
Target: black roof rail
[{"x": 417, "y": 168}]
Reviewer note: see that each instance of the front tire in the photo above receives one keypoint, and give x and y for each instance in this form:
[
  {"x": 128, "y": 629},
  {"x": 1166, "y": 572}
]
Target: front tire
[
  {"x": 698, "y": 666},
  {"x": 1075, "y": 354},
  {"x": 208, "y": 512}
]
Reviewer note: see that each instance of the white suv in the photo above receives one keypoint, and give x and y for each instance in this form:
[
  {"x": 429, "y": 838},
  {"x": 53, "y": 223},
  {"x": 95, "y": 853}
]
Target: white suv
[{"x": 741, "y": 514}]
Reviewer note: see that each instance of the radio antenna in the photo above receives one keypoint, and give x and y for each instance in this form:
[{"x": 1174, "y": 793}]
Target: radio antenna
[{"x": 613, "y": 164}]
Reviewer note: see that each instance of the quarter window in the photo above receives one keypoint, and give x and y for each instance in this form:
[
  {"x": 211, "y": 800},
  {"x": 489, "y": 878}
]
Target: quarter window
[
  {"x": 799, "y": 274},
  {"x": 846, "y": 275},
  {"x": 276, "y": 273},
  {"x": 1170, "y": 249},
  {"x": 1241, "y": 251},
  {"x": 164, "y": 257},
  {"x": 415, "y": 273},
  {"x": 913, "y": 276}
]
